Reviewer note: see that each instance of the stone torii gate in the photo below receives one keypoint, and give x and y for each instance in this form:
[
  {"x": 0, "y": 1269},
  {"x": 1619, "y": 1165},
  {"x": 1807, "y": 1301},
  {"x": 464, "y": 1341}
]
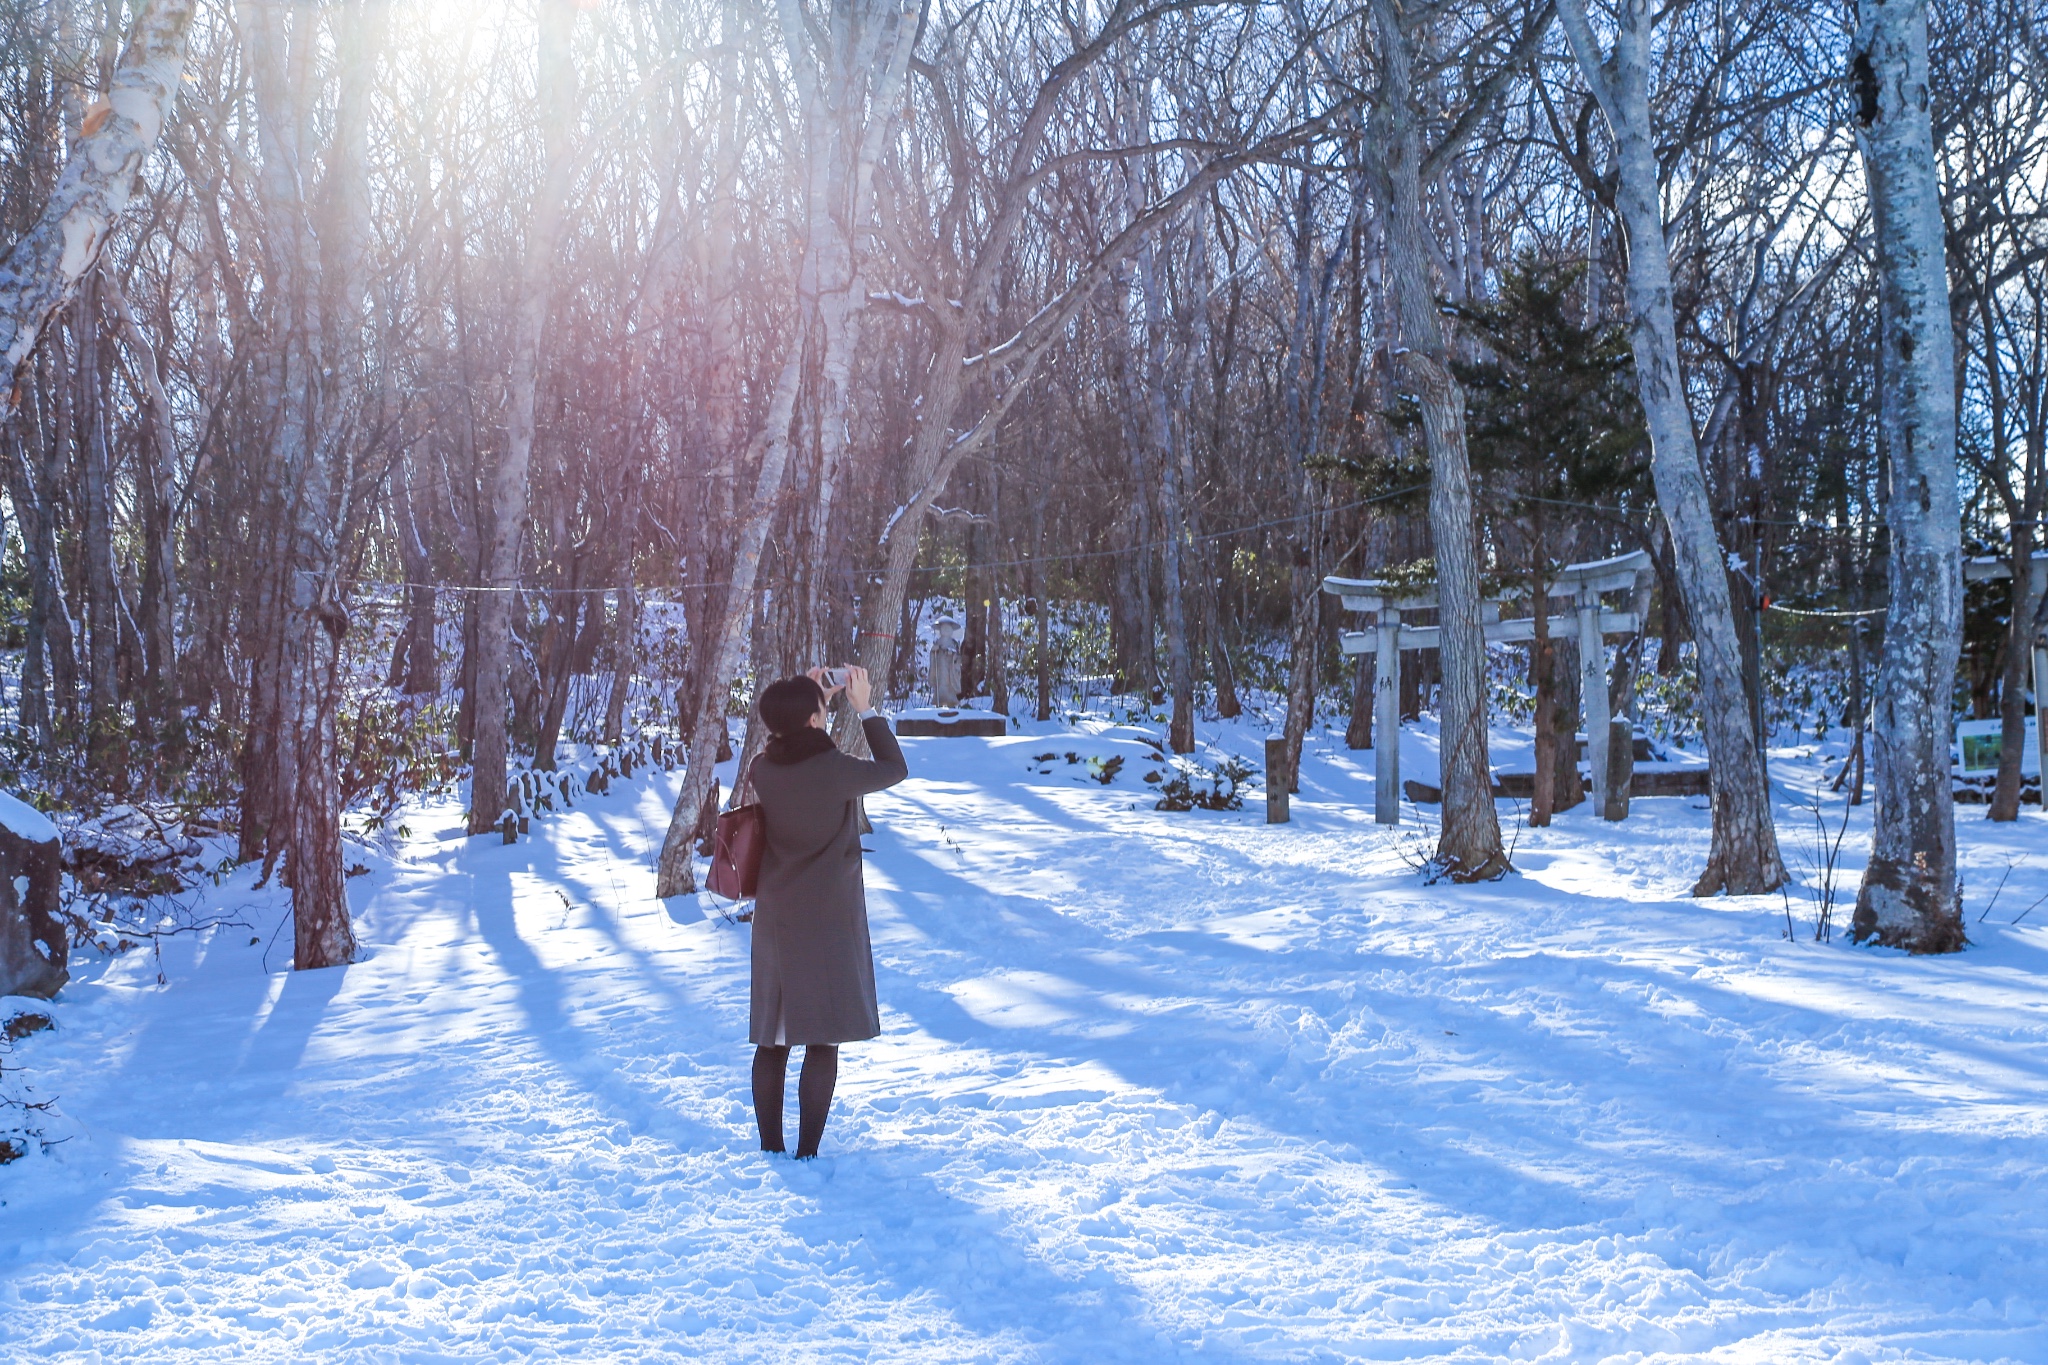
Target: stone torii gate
[
  {"x": 1582, "y": 584},
  {"x": 1984, "y": 570}
]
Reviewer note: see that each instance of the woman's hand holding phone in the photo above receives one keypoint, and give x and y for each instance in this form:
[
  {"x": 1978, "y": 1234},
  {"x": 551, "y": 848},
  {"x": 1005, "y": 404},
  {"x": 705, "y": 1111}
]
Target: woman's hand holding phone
[
  {"x": 851, "y": 679},
  {"x": 825, "y": 681},
  {"x": 857, "y": 686}
]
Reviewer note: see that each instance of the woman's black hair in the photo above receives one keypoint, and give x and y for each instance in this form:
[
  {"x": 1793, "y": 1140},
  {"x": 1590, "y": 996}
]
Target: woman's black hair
[{"x": 788, "y": 704}]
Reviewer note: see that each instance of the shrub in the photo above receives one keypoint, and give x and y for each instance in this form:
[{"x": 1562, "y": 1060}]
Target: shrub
[{"x": 1193, "y": 786}]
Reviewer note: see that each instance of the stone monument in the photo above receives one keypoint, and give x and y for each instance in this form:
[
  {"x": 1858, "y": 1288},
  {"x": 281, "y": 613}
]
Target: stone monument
[{"x": 945, "y": 664}]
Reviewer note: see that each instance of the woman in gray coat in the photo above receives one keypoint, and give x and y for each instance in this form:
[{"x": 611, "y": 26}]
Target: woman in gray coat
[{"x": 814, "y": 973}]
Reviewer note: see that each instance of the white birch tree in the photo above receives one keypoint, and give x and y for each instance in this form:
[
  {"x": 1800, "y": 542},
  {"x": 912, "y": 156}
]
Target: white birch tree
[
  {"x": 555, "y": 96},
  {"x": 40, "y": 272},
  {"x": 1910, "y": 897},
  {"x": 850, "y": 90},
  {"x": 1743, "y": 858}
]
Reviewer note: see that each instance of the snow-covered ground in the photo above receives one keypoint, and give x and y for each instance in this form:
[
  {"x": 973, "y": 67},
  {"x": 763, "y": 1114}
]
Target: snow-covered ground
[{"x": 1153, "y": 1087}]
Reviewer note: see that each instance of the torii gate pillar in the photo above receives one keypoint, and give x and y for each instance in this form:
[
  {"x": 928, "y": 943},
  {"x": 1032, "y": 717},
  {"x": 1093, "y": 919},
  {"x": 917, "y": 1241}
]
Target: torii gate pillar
[
  {"x": 1386, "y": 722},
  {"x": 1581, "y": 583}
]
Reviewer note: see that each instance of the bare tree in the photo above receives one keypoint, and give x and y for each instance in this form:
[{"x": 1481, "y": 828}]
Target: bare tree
[
  {"x": 43, "y": 269},
  {"x": 846, "y": 121},
  {"x": 1743, "y": 859},
  {"x": 1469, "y": 847},
  {"x": 1910, "y": 897},
  {"x": 556, "y": 99},
  {"x": 647, "y": 363},
  {"x": 314, "y": 353}
]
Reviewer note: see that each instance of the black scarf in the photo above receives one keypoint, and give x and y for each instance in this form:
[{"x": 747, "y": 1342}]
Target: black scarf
[{"x": 808, "y": 742}]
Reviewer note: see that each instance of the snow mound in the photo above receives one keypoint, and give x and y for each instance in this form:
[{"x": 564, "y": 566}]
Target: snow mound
[{"x": 25, "y": 820}]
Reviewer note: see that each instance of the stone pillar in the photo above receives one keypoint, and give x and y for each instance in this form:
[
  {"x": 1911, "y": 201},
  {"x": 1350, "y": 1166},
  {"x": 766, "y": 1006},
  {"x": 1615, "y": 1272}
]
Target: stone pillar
[
  {"x": 1621, "y": 769},
  {"x": 1593, "y": 694},
  {"x": 1278, "y": 780},
  {"x": 2040, "y": 586},
  {"x": 2041, "y": 717},
  {"x": 1386, "y": 721}
]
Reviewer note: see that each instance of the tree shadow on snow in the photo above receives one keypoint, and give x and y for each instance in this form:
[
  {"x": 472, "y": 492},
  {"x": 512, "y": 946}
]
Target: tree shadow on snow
[
  {"x": 924, "y": 1240},
  {"x": 1486, "y": 1111},
  {"x": 216, "y": 1059}
]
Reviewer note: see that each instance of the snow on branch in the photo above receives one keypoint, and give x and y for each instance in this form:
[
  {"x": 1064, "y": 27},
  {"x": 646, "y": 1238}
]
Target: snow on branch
[{"x": 40, "y": 271}]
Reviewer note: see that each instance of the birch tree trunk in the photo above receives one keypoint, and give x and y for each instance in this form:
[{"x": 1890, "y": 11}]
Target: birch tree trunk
[
  {"x": 158, "y": 489},
  {"x": 315, "y": 318},
  {"x": 933, "y": 457},
  {"x": 2012, "y": 694},
  {"x": 1163, "y": 435},
  {"x": 1304, "y": 381},
  {"x": 324, "y": 935},
  {"x": 288, "y": 394},
  {"x": 41, "y": 271},
  {"x": 849, "y": 86},
  {"x": 1910, "y": 898},
  {"x": 556, "y": 96},
  {"x": 1469, "y": 847},
  {"x": 849, "y": 92},
  {"x": 625, "y": 657},
  {"x": 716, "y": 262},
  {"x": 1197, "y": 561},
  {"x": 2024, "y": 503},
  {"x": 421, "y": 673},
  {"x": 1743, "y": 857},
  {"x": 676, "y": 875},
  {"x": 105, "y": 727},
  {"x": 1174, "y": 547}
]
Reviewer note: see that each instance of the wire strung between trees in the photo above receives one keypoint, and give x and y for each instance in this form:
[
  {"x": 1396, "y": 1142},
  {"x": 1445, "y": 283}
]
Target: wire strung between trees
[
  {"x": 1814, "y": 613},
  {"x": 1268, "y": 524},
  {"x": 1625, "y": 514},
  {"x": 1206, "y": 536}
]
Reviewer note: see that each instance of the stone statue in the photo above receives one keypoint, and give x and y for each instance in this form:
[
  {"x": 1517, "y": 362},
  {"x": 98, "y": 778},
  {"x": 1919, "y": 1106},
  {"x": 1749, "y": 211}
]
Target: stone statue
[{"x": 945, "y": 664}]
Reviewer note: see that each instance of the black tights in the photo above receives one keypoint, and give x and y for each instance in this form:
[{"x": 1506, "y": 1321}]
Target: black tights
[{"x": 813, "y": 1095}]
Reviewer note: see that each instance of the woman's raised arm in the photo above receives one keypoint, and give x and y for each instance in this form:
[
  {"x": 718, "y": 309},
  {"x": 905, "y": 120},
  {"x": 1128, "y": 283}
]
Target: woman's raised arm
[{"x": 886, "y": 768}]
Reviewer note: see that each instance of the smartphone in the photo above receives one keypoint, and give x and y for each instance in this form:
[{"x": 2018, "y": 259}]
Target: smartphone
[{"x": 835, "y": 677}]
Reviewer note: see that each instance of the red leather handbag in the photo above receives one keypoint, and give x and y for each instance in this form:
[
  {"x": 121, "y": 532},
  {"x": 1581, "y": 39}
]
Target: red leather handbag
[{"x": 736, "y": 852}]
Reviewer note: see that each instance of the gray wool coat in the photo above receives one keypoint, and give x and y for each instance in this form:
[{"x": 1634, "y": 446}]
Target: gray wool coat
[{"x": 814, "y": 973}]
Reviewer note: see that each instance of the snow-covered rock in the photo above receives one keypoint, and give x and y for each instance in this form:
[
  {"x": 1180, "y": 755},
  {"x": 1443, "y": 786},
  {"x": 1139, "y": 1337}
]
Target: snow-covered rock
[
  {"x": 34, "y": 949},
  {"x": 25, "y": 820}
]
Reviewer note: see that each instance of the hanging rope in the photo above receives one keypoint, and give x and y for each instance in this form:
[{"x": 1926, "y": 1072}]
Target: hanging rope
[{"x": 1827, "y": 615}]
